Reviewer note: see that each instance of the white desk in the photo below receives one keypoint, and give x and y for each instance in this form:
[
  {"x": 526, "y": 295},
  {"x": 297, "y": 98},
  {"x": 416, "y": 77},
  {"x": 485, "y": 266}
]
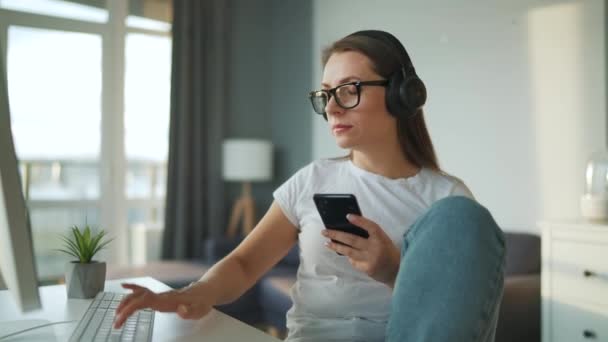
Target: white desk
[{"x": 215, "y": 326}]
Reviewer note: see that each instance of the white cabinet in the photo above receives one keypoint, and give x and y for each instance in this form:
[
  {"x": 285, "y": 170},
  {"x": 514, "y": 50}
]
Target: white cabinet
[
  {"x": 574, "y": 282},
  {"x": 146, "y": 243}
]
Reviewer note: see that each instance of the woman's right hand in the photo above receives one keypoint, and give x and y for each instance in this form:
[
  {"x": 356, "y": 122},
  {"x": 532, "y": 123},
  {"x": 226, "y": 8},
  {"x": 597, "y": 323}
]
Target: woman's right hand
[{"x": 183, "y": 302}]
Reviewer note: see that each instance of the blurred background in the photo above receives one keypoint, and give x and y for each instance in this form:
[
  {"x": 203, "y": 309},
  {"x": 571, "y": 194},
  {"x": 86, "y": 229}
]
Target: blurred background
[{"x": 517, "y": 103}]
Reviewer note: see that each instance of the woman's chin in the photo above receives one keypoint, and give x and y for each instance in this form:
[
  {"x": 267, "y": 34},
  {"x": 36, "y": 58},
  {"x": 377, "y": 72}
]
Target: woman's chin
[{"x": 343, "y": 142}]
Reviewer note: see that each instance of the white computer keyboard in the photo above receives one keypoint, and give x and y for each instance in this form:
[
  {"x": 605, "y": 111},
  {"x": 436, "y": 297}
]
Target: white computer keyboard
[{"x": 96, "y": 324}]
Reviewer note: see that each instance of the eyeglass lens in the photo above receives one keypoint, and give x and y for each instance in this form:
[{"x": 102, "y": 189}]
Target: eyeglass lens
[
  {"x": 347, "y": 96},
  {"x": 319, "y": 101}
]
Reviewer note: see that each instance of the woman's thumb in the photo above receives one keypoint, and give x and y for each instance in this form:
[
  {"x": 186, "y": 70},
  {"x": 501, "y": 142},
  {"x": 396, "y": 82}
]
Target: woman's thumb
[
  {"x": 191, "y": 311},
  {"x": 182, "y": 310}
]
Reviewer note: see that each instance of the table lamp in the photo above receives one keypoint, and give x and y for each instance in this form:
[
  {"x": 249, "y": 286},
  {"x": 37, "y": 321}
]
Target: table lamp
[{"x": 245, "y": 160}]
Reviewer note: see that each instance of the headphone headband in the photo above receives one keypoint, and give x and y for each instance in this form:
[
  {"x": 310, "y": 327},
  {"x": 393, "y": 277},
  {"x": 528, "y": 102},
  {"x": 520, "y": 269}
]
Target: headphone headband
[
  {"x": 406, "y": 93},
  {"x": 394, "y": 43}
]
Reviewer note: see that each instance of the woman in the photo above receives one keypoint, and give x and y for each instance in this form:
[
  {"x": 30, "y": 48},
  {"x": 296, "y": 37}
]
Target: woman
[{"x": 432, "y": 266}]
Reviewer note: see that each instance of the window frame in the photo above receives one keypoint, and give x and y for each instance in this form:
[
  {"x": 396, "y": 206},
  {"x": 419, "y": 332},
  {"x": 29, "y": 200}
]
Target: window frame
[{"x": 113, "y": 201}]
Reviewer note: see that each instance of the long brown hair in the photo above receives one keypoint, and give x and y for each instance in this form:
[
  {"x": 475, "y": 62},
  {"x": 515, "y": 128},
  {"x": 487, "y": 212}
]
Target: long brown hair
[{"x": 412, "y": 133}]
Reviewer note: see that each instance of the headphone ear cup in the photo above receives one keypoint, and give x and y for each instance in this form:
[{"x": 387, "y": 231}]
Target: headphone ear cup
[
  {"x": 394, "y": 104},
  {"x": 413, "y": 93}
]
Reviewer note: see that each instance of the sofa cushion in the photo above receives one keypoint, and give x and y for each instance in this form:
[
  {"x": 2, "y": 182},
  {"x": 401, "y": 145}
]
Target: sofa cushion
[
  {"x": 523, "y": 253},
  {"x": 275, "y": 292},
  {"x": 219, "y": 247},
  {"x": 275, "y": 297},
  {"x": 246, "y": 308},
  {"x": 281, "y": 284},
  {"x": 292, "y": 258},
  {"x": 519, "y": 318}
]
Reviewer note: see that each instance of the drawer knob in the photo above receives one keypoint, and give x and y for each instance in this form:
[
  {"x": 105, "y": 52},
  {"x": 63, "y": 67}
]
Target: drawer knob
[
  {"x": 589, "y": 334},
  {"x": 588, "y": 273}
]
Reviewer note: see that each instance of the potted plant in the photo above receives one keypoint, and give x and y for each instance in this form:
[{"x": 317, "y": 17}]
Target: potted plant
[{"x": 84, "y": 277}]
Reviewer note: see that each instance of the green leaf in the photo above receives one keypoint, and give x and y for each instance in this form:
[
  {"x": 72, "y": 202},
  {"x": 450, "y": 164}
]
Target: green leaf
[
  {"x": 83, "y": 243},
  {"x": 82, "y": 246},
  {"x": 87, "y": 235},
  {"x": 100, "y": 247},
  {"x": 67, "y": 252},
  {"x": 93, "y": 244},
  {"x": 73, "y": 250},
  {"x": 95, "y": 241},
  {"x": 69, "y": 242}
]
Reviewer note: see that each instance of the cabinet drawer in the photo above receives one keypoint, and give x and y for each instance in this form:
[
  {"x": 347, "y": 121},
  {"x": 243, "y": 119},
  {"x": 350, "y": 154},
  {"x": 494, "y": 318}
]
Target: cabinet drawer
[
  {"x": 580, "y": 270},
  {"x": 574, "y": 323}
]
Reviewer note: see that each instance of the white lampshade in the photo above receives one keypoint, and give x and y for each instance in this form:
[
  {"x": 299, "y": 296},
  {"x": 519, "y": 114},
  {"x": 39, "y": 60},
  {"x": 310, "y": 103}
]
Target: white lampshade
[{"x": 247, "y": 160}]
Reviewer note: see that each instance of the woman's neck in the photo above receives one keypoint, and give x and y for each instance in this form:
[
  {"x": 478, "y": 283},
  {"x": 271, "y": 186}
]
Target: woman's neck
[{"x": 388, "y": 163}]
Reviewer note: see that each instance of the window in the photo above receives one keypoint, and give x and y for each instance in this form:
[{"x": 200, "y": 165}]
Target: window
[
  {"x": 93, "y": 11},
  {"x": 90, "y": 151}
]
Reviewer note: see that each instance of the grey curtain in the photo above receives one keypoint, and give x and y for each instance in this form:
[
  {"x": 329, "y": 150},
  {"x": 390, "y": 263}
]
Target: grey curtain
[{"x": 195, "y": 197}]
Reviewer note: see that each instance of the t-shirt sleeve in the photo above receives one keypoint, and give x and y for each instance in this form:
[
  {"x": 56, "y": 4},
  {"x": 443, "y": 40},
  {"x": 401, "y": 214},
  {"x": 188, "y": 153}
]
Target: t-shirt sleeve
[
  {"x": 289, "y": 193},
  {"x": 460, "y": 189}
]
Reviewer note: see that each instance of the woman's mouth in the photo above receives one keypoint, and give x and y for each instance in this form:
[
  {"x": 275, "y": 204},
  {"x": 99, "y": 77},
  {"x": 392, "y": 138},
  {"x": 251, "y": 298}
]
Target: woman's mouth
[{"x": 337, "y": 129}]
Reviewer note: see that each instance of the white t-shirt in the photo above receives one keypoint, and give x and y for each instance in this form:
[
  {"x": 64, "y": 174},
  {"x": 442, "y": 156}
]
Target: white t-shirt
[{"x": 333, "y": 301}]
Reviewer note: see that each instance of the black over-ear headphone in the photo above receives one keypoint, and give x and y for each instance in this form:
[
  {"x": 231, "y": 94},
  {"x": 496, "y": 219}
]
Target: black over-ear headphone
[{"x": 405, "y": 93}]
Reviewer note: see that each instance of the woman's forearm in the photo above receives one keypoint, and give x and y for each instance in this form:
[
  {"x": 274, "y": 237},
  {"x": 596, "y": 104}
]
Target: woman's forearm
[
  {"x": 223, "y": 283},
  {"x": 236, "y": 273}
]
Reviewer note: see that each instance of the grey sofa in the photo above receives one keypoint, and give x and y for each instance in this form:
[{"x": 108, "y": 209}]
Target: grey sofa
[
  {"x": 268, "y": 301},
  {"x": 520, "y": 309}
]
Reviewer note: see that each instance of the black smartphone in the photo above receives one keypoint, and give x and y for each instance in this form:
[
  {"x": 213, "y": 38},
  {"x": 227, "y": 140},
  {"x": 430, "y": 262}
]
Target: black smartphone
[{"x": 333, "y": 209}]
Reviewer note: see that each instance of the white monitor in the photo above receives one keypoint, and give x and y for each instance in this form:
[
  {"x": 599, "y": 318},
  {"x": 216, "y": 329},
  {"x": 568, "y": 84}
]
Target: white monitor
[{"x": 17, "y": 264}]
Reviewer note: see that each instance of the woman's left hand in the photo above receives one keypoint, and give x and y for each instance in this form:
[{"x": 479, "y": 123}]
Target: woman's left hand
[{"x": 377, "y": 255}]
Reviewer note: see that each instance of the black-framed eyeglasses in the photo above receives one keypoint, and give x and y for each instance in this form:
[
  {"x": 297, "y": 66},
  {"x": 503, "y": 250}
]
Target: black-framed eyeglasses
[{"x": 347, "y": 95}]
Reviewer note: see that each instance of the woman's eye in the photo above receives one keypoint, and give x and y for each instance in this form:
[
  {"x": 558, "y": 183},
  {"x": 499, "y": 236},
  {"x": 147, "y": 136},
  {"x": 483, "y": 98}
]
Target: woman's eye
[{"x": 348, "y": 90}]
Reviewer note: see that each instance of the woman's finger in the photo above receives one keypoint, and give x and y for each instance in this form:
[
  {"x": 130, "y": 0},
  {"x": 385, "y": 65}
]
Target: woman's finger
[
  {"x": 346, "y": 238},
  {"x": 192, "y": 311},
  {"x": 128, "y": 299},
  {"x": 125, "y": 301},
  {"x": 138, "y": 303},
  {"x": 183, "y": 311},
  {"x": 134, "y": 287},
  {"x": 137, "y": 290},
  {"x": 370, "y": 226},
  {"x": 344, "y": 250}
]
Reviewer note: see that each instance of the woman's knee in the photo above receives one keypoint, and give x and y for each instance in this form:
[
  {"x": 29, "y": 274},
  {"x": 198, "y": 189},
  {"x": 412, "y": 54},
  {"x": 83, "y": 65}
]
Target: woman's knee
[
  {"x": 460, "y": 206},
  {"x": 461, "y": 216}
]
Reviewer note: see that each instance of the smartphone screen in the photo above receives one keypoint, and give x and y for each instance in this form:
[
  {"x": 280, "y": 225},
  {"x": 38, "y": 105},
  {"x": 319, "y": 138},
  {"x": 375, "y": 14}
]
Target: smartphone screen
[{"x": 333, "y": 209}]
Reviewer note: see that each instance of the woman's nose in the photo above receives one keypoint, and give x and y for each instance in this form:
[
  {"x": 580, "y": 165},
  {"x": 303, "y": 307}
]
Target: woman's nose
[{"x": 332, "y": 107}]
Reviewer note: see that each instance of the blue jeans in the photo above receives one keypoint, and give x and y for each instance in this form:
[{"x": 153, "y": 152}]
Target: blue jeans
[{"x": 450, "y": 279}]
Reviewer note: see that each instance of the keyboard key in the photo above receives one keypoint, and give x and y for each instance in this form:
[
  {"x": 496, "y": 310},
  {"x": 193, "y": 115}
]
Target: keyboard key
[
  {"x": 97, "y": 322},
  {"x": 82, "y": 325},
  {"x": 93, "y": 325},
  {"x": 114, "y": 338},
  {"x": 104, "y": 304},
  {"x": 143, "y": 332}
]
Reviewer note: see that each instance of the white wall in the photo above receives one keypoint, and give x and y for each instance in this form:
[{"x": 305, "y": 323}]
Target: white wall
[{"x": 517, "y": 92}]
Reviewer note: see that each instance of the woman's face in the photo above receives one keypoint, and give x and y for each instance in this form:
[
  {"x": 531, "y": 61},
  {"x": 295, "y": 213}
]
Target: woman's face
[{"x": 369, "y": 123}]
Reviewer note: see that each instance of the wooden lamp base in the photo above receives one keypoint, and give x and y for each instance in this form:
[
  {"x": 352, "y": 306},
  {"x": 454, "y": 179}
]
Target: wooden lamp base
[{"x": 244, "y": 208}]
